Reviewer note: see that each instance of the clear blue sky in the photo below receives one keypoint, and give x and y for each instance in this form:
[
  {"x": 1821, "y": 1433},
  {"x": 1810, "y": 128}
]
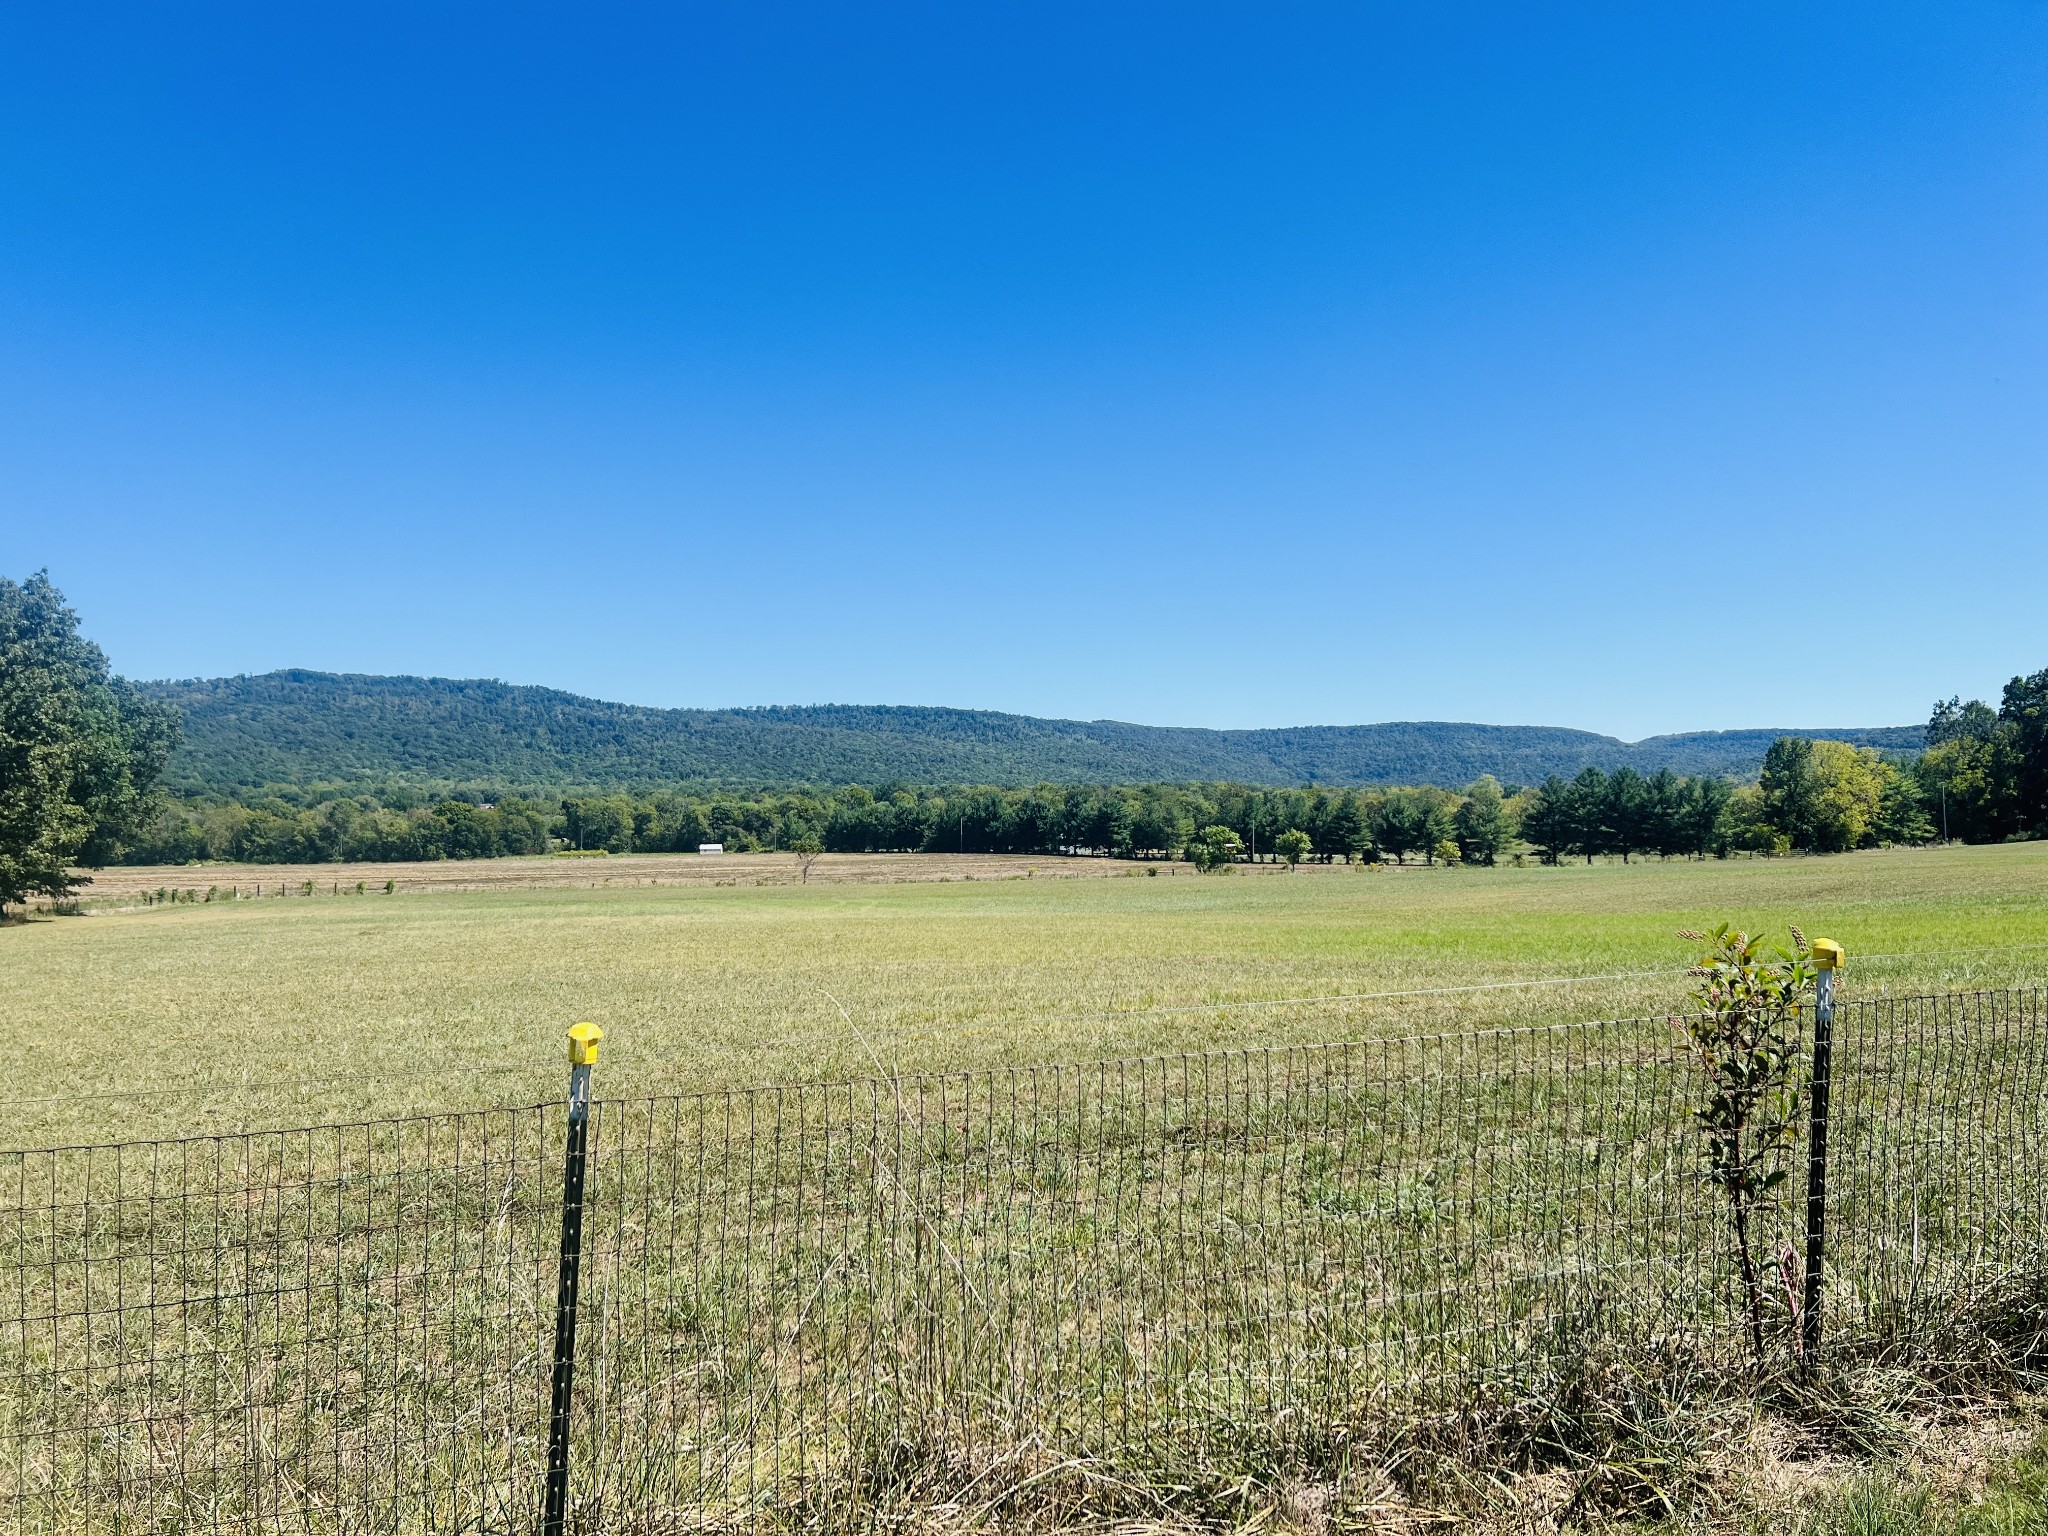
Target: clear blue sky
[{"x": 1636, "y": 367}]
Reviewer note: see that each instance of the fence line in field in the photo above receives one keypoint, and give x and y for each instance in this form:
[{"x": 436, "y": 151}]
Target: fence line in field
[{"x": 806, "y": 1301}]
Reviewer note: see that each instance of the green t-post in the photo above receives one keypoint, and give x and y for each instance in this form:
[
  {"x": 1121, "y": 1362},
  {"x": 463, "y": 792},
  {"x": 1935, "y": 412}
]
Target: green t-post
[
  {"x": 1827, "y": 959},
  {"x": 583, "y": 1039}
]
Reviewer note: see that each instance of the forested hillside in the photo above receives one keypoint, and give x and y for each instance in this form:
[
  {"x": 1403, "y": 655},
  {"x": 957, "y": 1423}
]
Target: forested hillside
[{"x": 298, "y": 727}]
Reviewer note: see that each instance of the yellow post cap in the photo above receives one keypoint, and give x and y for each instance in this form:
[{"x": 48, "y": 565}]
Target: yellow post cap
[
  {"x": 583, "y": 1040},
  {"x": 1827, "y": 954}
]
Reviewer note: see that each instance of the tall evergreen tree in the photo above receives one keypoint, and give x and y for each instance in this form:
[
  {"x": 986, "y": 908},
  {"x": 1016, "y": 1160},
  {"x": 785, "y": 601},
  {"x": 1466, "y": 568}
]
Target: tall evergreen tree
[
  {"x": 1344, "y": 831},
  {"x": 1625, "y": 813},
  {"x": 1667, "y": 831},
  {"x": 1481, "y": 822},
  {"x": 1587, "y": 819},
  {"x": 1547, "y": 823},
  {"x": 1706, "y": 816},
  {"x": 1791, "y": 790}
]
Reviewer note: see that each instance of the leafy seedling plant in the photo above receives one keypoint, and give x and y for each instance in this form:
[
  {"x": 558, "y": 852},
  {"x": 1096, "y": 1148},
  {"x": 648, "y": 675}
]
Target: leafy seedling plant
[{"x": 1748, "y": 1040}]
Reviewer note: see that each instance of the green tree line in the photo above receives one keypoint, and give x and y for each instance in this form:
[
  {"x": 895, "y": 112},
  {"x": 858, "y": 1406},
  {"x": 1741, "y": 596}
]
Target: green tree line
[
  {"x": 1812, "y": 796},
  {"x": 1984, "y": 775},
  {"x": 1815, "y": 795},
  {"x": 82, "y": 750},
  {"x": 283, "y": 825}
]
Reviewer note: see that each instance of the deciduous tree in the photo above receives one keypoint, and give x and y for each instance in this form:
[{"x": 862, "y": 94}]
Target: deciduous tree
[
  {"x": 1746, "y": 1037},
  {"x": 2024, "y": 712},
  {"x": 1214, "y": 846},
  {"x": 80, "y": 750}
]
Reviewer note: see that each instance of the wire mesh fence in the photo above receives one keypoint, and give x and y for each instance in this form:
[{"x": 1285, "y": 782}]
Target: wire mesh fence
[{"x": 808, "y": 1304}]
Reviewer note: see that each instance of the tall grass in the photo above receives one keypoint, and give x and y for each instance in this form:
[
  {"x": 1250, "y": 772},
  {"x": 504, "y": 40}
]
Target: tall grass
[
  {"x": 2013, "y": 1501},
  {"x": 1141, "y": 1288}
]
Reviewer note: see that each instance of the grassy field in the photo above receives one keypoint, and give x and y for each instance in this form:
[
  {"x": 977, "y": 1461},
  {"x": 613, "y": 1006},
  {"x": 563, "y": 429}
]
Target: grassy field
[
  {"x": 1933, "y": 1496},
  {"x": 126, "y": 885},
  {"x": 175, "y": 1019},
  {"x": 1196, "y": 1279}
]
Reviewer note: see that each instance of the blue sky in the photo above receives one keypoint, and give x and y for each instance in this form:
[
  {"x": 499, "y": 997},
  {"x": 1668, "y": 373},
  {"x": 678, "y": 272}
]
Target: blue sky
[{"x": 1633, "y": 367}]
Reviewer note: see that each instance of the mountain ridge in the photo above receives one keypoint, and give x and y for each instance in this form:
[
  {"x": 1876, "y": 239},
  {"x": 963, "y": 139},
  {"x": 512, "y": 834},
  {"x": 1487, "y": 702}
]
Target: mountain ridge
[{"x": 300, "y": 726}]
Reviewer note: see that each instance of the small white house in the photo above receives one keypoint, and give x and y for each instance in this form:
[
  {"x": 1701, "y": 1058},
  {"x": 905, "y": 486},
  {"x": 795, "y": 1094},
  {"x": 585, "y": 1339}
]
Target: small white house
[{"x": 711, "y": 847}]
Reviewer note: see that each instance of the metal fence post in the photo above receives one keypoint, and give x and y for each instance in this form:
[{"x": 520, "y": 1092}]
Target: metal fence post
[
  {"x": 583, "y": 1039},
  {"x": 1827, "y": 959}
]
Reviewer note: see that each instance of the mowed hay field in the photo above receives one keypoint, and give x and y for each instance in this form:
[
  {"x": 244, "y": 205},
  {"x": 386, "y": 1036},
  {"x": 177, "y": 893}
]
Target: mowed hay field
[{"x": 233, "y": 1015}]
